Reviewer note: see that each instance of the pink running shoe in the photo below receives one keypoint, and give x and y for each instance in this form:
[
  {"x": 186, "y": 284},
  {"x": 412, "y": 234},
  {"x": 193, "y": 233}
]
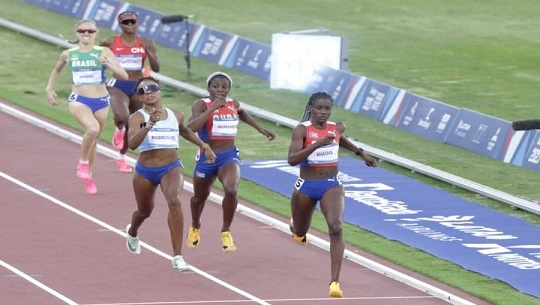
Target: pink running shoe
[
  {"x": 118, "y": 139},
  {"x": 83, "y": 171},
  {"x": 123, "y": 166},
  {"x": 89, "y": 187}
]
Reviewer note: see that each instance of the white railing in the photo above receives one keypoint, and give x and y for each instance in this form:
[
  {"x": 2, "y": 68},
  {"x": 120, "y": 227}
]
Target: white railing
[{"x": 285, "y": 121}]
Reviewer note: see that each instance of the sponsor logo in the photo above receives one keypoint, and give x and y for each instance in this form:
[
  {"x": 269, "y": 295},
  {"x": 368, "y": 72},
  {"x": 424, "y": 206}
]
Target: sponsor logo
[{"x": 137, "y": 50}]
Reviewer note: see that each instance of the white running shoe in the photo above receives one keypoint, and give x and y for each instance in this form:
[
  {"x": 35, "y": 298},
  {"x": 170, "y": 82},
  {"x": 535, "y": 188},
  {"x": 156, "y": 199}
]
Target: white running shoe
[
  {"x": 179, "y": 264},
  {"x": 132, "y": 243}
]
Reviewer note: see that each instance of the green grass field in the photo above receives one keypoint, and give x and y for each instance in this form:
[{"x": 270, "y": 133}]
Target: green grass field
[{"x": 474, "y": 54}]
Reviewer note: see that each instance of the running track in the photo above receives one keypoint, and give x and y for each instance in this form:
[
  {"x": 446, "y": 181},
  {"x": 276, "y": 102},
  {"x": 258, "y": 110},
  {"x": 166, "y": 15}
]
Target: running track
[{"x": 60, "y": 246}]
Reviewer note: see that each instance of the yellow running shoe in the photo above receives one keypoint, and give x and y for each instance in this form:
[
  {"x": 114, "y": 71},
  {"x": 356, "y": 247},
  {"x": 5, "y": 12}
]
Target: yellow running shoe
[
  {"x": 335, "y": 292},
  {"x": 227, "y": 241},
  {"x": 193, "y": 238},
  {"x": 299, "y": 239}
]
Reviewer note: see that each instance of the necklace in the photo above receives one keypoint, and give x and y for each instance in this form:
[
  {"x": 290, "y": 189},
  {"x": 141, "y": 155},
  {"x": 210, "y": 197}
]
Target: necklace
[{"x": 160, "y": 110}]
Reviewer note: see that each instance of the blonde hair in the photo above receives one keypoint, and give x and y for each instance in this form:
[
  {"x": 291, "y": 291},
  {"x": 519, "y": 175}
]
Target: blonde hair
[{"x": 77, "y": 27}]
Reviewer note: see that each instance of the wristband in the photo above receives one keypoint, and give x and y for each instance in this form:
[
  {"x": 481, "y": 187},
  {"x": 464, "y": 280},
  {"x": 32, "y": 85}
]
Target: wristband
[
  {"x": 148, "y": 125},
  {"x": 359, "y": 151}
]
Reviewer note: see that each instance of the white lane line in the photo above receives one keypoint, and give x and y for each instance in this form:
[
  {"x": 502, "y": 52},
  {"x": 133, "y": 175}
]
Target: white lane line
[
  {"x": 122, "y": 233},
  {"x": 38, "y": 283},
  {"x": 307, "y": 301}
]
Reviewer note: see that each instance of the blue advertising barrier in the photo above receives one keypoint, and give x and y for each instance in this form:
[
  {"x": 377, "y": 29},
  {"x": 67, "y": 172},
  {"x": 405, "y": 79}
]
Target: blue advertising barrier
[
  {"x": 73, "y": 8},
  {"x": 103, "y": 12},
  {"x": 250, "y": 57},
  {"x": 426, "y": 118},
  {"x": 523, "y": 149},
  {"x": 531, "y": 159},
  {"x": 175, "y": 35},
  {"x": 374, "y": 99},
  {"x": 335, "y": 82},
  {"x": 214, "y": 46},
  {"x": 399, "y": 208},
  {"x": 480, "y": 133}
]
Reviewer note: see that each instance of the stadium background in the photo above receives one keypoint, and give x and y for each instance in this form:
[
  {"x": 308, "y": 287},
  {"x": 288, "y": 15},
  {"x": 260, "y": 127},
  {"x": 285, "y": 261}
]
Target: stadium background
[{"x": 422, "y": 61}]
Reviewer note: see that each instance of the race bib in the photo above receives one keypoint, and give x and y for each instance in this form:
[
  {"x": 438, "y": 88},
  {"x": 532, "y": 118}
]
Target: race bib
[
  {"x": 130, "y": 62},
  {"x": 324, "y": 155},
  {"x": 162, "y": 138},
  {"x": 91, "y": 77},
  {"x": 298, "y": 184},
  {"x": 224, "y": 127}
]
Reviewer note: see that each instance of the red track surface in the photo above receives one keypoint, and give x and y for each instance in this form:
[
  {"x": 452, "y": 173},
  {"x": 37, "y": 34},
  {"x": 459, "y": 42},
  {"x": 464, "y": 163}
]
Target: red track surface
[{"x": 44, "y": 236}]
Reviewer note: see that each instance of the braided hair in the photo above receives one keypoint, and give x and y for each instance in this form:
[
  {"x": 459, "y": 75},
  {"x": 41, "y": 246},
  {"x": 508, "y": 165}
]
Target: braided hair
[{"x": 312, "y": 99}]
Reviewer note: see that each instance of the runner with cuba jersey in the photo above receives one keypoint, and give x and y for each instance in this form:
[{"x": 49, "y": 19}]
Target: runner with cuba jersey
[
  {"x": 314, "y": 148},
  {"x": 324, "y": 155},
  {"x": 222, "y": 124},
  {"x": 215, "y": 118}
]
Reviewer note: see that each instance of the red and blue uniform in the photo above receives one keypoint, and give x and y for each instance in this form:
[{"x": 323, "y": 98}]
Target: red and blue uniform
[
  {"x": 221, "y": 125},
  {"x": 324, "y": 156},
  {"x": 131, "y": 58}
]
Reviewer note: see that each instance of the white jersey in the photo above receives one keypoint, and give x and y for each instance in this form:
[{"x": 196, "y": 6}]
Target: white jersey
[{"x": 164, "y": 134}]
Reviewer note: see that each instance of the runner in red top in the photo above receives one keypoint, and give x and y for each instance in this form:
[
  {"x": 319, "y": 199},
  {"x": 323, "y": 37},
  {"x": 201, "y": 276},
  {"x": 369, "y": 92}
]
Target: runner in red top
[
  {"x": 131, "y": 51},
  {"x": 314, "y": 147},
  {"x": 216, "y": 119}
]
